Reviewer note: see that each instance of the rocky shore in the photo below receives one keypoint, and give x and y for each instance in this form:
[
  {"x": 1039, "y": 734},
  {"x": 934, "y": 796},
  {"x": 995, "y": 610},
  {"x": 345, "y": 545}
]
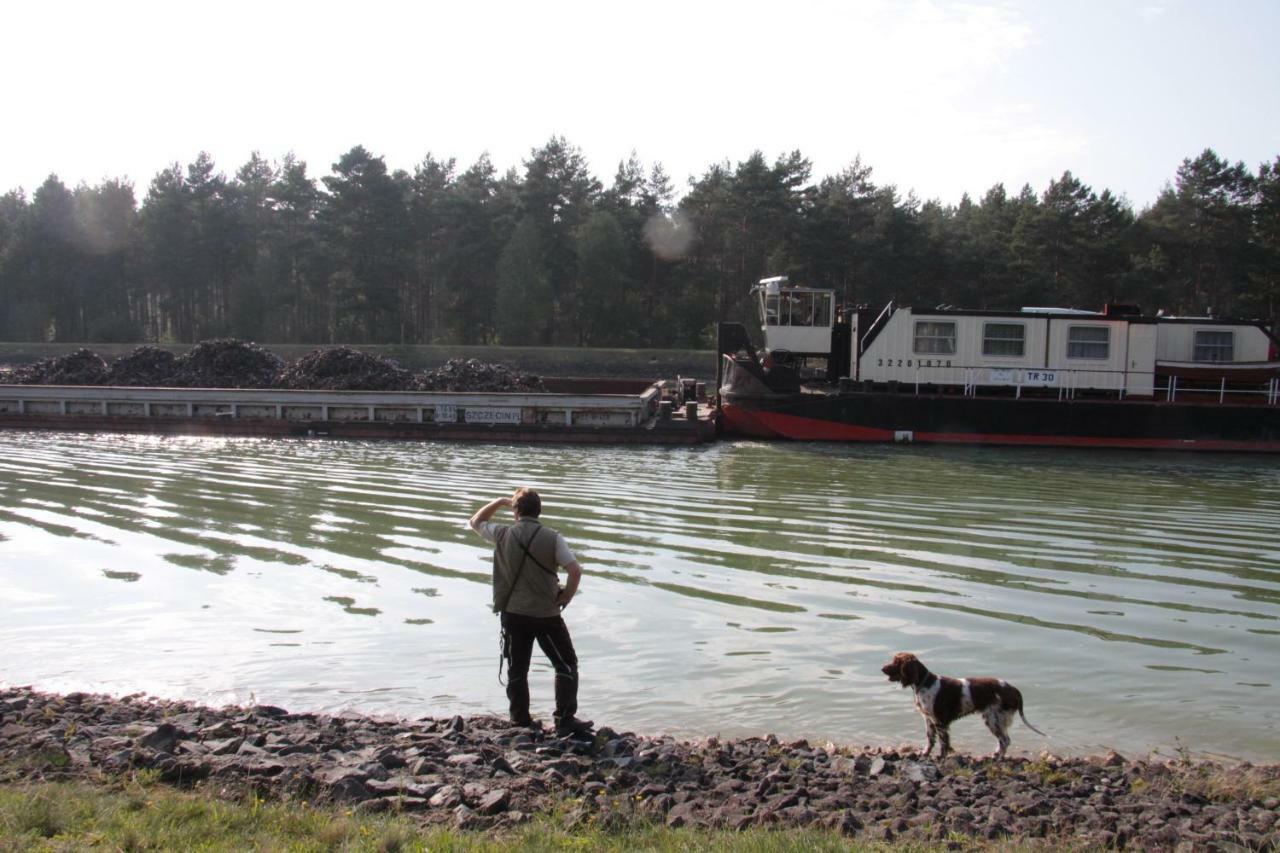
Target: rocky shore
[{"x": 482, "y": 773}]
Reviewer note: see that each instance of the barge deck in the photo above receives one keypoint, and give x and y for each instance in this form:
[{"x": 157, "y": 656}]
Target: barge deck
[{"x": 587, "y": 411}]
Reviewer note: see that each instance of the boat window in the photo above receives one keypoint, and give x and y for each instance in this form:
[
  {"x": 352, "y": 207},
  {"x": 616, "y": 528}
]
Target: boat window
[
  {"x": 1214, "y": 345},
  {"x": 796, "y": 308},
  {"x": 935, "y": 337},
  {"x": 1092, "y": 342},
  {"x": 771, "y": 309},
  {"x": 822, "y": 309},
  {"x": 1004, "y": 339}
]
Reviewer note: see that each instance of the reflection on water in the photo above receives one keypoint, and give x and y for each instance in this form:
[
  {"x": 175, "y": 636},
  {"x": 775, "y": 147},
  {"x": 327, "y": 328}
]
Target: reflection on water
[{"x": 739, "y": 588}]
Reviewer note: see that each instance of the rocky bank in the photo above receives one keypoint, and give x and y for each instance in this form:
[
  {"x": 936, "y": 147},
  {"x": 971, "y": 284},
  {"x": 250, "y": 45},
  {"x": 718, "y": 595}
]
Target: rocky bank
[{"x": 482, "y": 773}]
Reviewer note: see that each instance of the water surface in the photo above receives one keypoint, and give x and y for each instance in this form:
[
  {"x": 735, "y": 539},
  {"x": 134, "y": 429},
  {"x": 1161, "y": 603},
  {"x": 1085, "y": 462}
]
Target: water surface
[{"x": 739, "y": 588}]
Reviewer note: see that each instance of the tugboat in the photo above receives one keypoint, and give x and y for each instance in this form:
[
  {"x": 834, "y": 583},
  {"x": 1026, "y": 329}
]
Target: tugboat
[{"x": 1052, "y": 377}]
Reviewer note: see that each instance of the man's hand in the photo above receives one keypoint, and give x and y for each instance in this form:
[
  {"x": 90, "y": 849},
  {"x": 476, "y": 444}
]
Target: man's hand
[
  {"x": 574, "y": 572},
  {"x": 486, "y": 512}
]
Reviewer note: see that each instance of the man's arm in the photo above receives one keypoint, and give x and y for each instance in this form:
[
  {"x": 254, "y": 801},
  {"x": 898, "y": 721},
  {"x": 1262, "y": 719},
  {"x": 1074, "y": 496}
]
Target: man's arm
[
  {"x": 574, "y": 573},
  {"x": 486, "y": 512}
]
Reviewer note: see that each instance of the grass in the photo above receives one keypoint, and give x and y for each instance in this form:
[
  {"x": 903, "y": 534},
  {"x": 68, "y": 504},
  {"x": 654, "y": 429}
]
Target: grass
[{"x": 140, "y": 814}]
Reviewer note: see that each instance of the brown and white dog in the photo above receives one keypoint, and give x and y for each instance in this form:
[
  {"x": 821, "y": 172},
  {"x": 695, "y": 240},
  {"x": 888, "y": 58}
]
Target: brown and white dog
[{"x": 941, "y": 700}]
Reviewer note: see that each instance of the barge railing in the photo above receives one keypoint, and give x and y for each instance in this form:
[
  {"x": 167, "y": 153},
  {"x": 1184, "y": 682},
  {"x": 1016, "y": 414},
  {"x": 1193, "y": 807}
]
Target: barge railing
[
  {"x": 330, "y": 406},
  {"x": 1071, "y": 382}
]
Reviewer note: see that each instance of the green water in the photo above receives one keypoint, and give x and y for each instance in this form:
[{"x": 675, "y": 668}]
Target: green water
[{"x": 739, "y": 588}]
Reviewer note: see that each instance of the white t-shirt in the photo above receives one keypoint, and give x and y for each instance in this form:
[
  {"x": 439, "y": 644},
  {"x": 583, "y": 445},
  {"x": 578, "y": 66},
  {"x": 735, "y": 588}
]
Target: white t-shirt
[{"x": 488, "y": 532}]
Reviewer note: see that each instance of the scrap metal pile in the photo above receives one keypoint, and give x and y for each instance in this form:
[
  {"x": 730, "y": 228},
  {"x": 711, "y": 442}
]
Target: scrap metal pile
[{"x": 230, "y": 363}]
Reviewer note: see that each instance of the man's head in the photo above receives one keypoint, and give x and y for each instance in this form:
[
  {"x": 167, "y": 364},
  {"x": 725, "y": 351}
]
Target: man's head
[{"x": 527, "y": 503}]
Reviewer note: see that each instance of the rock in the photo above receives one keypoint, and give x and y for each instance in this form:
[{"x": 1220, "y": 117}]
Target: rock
[
  {"x": 494, "y": 802},
  {"x": 379, "y": 805},
  {"x": 220, "y": 730},
  {"x": 453, "y": 766},
  {"x": 224, "y": 747},
  {"x": 163, "y": 738},
  {"x": 682, "y": 815},
  {"x": 270, "y": 711},
  {"x": 920, "y": 771},
  {"x": 343, "y": 783},
  {"x": 465, "y": 818},
  {"x": 448, "y": 797}
]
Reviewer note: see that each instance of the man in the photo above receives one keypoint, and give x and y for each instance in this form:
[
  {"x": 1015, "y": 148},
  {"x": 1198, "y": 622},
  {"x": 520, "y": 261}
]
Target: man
[{"x": 527, "y": 594}]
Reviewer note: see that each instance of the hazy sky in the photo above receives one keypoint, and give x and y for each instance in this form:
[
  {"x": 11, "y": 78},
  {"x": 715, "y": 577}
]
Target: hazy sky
[{"x": 937, "y": 97}]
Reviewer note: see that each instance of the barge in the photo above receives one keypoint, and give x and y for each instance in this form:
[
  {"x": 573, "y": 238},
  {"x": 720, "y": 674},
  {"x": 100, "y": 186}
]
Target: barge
[
  {"x": 585, "y": 411},
  {"x": 1035, "y": 377}
]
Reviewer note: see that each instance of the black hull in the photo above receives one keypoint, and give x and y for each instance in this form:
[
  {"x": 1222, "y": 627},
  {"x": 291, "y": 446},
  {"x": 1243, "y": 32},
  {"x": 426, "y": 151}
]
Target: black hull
[{"x": 956, "y": 419}]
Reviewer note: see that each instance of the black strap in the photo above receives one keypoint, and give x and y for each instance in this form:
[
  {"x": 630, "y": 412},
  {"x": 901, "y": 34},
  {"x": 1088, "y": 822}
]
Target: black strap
[
  {"x": 511, "y": 590},
  {"x": 529, "y": 554}
]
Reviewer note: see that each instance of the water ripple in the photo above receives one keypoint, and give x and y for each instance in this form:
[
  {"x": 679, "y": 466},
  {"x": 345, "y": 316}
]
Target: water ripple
[{"x": 737, "y": 588}]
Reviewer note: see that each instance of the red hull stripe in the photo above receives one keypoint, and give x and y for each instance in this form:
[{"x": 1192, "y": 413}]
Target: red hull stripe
[{"x": 777, "y": 425}]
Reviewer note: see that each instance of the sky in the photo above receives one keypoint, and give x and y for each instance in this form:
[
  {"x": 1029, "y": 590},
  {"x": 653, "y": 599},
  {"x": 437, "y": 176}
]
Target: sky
[{"x": 938, "y": 98}]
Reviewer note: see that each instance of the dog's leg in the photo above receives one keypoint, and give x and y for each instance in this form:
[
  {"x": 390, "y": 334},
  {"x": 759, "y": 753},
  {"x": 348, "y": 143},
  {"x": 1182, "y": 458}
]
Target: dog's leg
[
  {"x": 930, "y": 732},
  {"x": 998, "y": 721},
  {"x": 944, "y": 738}
]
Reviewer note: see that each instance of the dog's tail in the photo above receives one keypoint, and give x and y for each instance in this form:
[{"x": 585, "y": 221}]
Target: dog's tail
[{"x": 1028, "y": 724}]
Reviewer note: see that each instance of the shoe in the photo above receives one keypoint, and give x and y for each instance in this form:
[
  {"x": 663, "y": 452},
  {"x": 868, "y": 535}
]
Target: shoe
[
  {"x": 574, "y": 726},
  {"x": 526, "y": 723}
]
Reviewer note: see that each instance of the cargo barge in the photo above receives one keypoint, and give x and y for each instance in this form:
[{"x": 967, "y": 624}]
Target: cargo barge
[
  {"x": 1037, "y": 377},
  {"x": 584, "y": 411}
]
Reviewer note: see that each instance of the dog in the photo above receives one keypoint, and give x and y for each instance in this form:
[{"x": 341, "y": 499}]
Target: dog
[{"x": 942, "y": 700}]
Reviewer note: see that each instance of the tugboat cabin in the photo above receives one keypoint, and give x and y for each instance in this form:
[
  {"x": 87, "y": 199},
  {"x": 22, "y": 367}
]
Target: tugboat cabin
[{"x": 1115, "y": 352}]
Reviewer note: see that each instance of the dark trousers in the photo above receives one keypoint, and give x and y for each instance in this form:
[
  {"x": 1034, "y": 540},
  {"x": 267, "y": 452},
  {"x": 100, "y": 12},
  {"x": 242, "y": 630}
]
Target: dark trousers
[{"x": 552, "y": 636}]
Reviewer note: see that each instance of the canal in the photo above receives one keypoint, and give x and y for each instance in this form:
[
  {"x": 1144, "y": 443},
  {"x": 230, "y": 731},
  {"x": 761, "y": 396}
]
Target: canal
[{"x": 733, "y": 589}]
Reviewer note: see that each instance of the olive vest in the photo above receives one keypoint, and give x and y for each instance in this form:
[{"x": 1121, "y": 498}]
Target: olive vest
[{"x": 535, "y": 588}]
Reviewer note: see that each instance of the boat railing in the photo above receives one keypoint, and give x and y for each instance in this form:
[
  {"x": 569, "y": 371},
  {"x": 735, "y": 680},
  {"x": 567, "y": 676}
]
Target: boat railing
[
  {"x": 1072, "y": 382},
  {"x": 874, "y": 329}
]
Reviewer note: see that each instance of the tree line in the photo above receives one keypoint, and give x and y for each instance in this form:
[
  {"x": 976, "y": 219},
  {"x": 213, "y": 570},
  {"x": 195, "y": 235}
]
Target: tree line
[{"x": 549, "y": 255}]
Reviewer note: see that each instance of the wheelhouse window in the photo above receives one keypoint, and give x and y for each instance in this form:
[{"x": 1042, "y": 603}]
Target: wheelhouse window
[
  {"x": 1004, "y": 339},
  {"x": 1214, "y": 345},
  {"x": 1091, "y": 342},
  {"x": 797, "y": 308},
  {"x": 935, "y": 338}
]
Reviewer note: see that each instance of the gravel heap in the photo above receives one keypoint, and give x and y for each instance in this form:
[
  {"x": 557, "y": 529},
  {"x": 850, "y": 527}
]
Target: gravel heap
[
  {"x": 471, "y": 374},
  {"x": 482, "y": 773},
  {"x": 82, "y": 367},
  {"x": 226, "y": 363},
  {"x": 231, "y": 363},
  {"x": 346, "y": 369},
  {"x": 146, "y": 366}
]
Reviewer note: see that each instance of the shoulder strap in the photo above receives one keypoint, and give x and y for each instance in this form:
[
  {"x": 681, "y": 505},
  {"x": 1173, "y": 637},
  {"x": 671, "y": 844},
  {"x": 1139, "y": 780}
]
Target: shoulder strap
[
  {"x": 529, "y": 553},
  {"x": 511, "y": 590}
]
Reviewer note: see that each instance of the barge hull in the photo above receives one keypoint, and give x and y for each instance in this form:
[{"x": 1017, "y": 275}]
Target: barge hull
[
  {"x": 942, "y": 419},
  {"x": 673, "y": 432}
]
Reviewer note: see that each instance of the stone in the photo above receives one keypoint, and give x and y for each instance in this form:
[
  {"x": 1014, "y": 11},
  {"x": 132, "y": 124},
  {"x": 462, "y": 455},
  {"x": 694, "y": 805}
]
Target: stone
[
  {"x": 681, "y": 815},
  {"x": 448, "y": 797},
  {"x": 162, "y": 738},
  {"x": 494, "y": 802}
]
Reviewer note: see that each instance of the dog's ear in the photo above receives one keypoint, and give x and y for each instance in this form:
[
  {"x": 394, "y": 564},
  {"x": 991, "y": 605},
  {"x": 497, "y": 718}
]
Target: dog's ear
[
  {"x": 912, "y": 671},
  {"x": 896, "y": 669},
  {"x": 908, "y": 669}
]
